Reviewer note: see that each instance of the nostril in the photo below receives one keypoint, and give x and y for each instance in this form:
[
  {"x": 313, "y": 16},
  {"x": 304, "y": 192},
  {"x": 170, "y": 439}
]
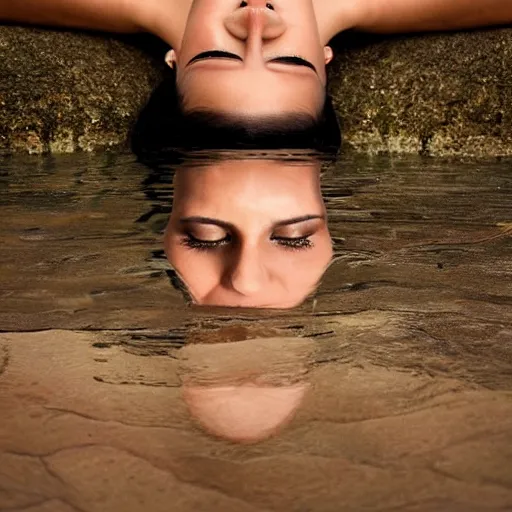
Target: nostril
[
  {"x": 268, "y": 5},
  {"x": 265, "y": 22}
]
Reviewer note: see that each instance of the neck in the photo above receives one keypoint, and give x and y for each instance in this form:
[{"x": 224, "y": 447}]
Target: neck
[
  {"x": 334, "y": 16},
  {"x": 169, "y": 19}
]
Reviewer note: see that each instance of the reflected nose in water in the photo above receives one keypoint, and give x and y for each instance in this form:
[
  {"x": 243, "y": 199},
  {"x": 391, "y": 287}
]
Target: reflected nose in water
[
  {"x": 247, "y": 276},
  {"x": 245, "y": 391}
]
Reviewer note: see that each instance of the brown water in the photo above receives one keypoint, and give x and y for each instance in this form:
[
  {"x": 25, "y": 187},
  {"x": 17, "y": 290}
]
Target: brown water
[{"x": 389, "y": 389}]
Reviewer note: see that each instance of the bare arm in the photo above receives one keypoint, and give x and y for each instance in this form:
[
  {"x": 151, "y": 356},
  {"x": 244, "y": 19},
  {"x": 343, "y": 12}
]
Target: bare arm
[
  {"x": 425, "y": 15},
  {"x": 125, "y": 16},
  {"x": 109, "y": 15},
  {"x": 393, "y": 16}
]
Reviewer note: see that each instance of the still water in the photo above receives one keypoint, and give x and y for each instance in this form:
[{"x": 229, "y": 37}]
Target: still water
[{"x": 127, "y": 383}]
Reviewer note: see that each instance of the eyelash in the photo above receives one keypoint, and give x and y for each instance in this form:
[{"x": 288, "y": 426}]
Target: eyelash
[
  {"x": 203, "y": 245},
  {"x": 293, "y": 244},
  {"x": 289, "y": 59}
]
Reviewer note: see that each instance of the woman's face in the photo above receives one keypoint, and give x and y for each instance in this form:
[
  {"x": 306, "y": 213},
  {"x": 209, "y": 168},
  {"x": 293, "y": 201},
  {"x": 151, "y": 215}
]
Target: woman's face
[
  {"x": 249, "y": 233},
  {"x": 252, "y": 58}
]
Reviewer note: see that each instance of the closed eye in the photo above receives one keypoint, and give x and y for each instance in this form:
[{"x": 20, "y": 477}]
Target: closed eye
[
  {"x": 214, "y": 54},
  {"x": 293, "y": 61}
]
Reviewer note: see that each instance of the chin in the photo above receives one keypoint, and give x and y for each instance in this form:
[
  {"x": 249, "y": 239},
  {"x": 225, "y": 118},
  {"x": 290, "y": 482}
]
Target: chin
[{"x": 244, "y": 414}]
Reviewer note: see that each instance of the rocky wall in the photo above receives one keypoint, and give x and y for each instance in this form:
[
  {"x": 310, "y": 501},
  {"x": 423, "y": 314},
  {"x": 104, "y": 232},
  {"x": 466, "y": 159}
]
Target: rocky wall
[{"x": 435, "y": 94}]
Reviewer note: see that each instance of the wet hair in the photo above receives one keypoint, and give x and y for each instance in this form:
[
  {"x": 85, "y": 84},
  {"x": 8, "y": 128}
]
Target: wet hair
[{"x": 165, "y": 130}]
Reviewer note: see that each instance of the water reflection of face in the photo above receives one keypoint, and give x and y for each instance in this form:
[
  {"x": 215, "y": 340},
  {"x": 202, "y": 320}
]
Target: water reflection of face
[
  {"x": 252, "y": 58},
  {"x": 245, "y": 391},
  {"x": 249, "y": 233}
]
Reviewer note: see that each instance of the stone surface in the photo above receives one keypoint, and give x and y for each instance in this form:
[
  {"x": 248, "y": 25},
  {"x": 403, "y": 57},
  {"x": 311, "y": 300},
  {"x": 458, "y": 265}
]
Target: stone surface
[
  {"x": 439, "y": 94},
  {"x": 436, "y": 94},
  {"x": 64, "y": 91}
]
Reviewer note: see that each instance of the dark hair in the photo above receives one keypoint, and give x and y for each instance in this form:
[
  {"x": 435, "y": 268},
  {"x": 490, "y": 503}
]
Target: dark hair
[{"x": 165, "y": 129}]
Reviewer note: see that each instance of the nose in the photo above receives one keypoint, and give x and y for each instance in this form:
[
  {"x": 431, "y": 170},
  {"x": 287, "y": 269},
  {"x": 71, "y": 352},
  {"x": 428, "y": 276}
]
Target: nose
[
  {"x": 254, "y": 24},
  {"x": 247, "y": 274}
]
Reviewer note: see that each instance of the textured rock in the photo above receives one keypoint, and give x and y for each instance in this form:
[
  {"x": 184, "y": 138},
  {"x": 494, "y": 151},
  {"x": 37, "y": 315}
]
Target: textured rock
[
  {"x": 439, "y": 94},
  {"x": 62, "y": 91}
]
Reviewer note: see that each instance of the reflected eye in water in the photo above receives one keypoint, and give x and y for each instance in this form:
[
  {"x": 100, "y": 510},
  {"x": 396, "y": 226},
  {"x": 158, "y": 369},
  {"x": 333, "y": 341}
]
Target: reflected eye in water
[
  {"x": 197, "y": 244},
  {"x": 295, "y": 244},
  {"x": 288, "y": 243}
]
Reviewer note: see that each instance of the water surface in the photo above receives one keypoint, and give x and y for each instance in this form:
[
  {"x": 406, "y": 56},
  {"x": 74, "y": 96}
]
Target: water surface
[{"x": 390, "y": 388}]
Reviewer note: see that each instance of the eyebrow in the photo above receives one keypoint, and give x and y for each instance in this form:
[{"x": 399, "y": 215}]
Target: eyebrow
[
  {"x": 291, "y": 60},
  {"x": 227, "y": 225},
  {"x": 214, "y": 54}
]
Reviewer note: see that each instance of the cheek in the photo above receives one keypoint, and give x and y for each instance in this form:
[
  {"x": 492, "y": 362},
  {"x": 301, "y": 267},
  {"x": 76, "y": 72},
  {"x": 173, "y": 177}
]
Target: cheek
[
  {"x": 204, "y": 28},
  {"x": 200, "y": 271},
  {"x": 303, "y": 268},
  {"x": 325, "y": 250}
]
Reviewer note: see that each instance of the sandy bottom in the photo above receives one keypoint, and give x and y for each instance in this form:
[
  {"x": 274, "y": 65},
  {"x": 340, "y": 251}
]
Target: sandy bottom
[{"x": 90, "y": 426}]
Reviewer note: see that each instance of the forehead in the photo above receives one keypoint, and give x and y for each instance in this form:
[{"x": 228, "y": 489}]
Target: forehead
[
  {"x": 240, "y": 90},
  {"x": 264, "y": 182},
  {"x": 252, "y": 172}
]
